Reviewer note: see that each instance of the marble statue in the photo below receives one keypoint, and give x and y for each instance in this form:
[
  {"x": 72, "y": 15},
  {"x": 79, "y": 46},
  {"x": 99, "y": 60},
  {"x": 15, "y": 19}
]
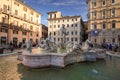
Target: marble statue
[
  {"x": 29, "y": 46},
  {"x": 87, "y": 45},
  {"x": 69, "y": 47},
  {"x": 63, "y": 31}
]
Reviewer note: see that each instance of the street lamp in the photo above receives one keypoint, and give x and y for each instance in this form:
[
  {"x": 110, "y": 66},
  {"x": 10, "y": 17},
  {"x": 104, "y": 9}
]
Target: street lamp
[{"x": 8, "y": 14}]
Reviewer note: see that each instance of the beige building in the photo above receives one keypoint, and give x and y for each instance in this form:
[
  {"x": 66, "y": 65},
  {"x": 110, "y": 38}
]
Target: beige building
[
  {"x": 72, "y": 24},
  {"x": 18, "y": 22},
  {"x": 104, "y": 16}
]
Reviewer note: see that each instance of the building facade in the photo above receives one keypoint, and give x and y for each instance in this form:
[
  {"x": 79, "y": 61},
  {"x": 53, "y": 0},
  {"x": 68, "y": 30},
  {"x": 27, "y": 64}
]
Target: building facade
[
  {"x": 85, "y": 30},
  {"x": 72, "y": 24},
  {"x": 44, "y": 31},
  {"x": 19, "y": 23},
  {"x": 104, "y": 21}
]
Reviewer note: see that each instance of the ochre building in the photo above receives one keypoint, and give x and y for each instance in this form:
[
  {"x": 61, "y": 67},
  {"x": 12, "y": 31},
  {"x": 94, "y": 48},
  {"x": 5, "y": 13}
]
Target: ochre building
[
  {"x": 19, "y": 23},
  {"x": 104, "y": 21}
]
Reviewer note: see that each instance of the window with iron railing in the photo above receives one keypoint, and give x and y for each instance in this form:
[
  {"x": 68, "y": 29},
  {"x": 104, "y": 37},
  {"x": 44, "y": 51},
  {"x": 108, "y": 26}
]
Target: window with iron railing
[
  {"x": 4, "y": 30},
  {"x": 15, "y": 32},
  {"x": 5, "y": 20},
  {"x": 24, "y": 33}
]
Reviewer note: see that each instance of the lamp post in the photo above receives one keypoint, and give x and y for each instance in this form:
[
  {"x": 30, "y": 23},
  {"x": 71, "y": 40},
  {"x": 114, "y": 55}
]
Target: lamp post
[{"x": 8, "y": 14}]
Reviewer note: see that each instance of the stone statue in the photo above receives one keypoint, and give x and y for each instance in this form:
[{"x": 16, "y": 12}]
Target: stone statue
[
  {"x": 87, "y": 45},
  {"x": 29, "y": 47},
  {"x": 69, "y": 47},
  {"x": 63, "y": 31}
]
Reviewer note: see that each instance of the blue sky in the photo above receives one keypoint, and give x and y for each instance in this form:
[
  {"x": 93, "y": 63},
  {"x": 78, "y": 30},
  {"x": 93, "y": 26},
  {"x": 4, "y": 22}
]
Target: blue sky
[{"x": 67, "y": 7}]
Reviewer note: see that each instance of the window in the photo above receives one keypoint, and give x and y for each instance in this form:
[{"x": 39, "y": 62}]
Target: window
[
  {"x": 104, "y": 40},
  {"x": 37, "y": 34},
  {"x": 113, "y": 40},
  {"x": 94, "y": 3},
  {"x": 24, "y": 26},
  {"x": 15, "y": 23},
  {"x": 113, "y": 12},
  {"x": 95, "y": 13},
  {"x": 76, "y": 19},
  {"x": 75, "y": 32},
  {"x": 24, "y": 33},
  {"x": 103, "y": 13},
  {"x": 112, "y": 1},
  {"x": 5, "y": 8},
  {"x": 58, "y": 39},
  {"x": 31, "y": 12},
  {"x": 16, "y": 12},
  {"x": 50, "y": 15},
  {"x": 16, "y": 3},
  {"x": 31, "y": 18},
  {"x": 63, "y": 25},
  {"x": 72, "y": 19},
  {"x": 72, "y": 25},
  {"x": 25, "y": 9},
  {"x": 15, "y": 32},
  {"x": 31, "y": 27},
  {"x": 54, "y": 39},
  {"x": 68, "y": 20},
  {"x": 67, "y": 25},
  {"x": 37, "y": 21},
  {"x": 24, "y": 16},
  {"x": 71, "y": 39},
  {"x": 54, "y": 15},
  {"x": 75, "y": 39},
  {"x": 72, "y": 33},
  {"x": 95, "y": 26},
  {"x": 37, "y": 15},
  {"x": 58, "y": 20},
  {"x": 75, "y": 25},
  {"x": 31, "y": 34},
  {"x": 58, "y": 26},
  {"x": 5, "y": 20},
  {"x": 103, "y": 2},
  {"x": 113, "y": 24},
  {"x": 50, "y": 26},
  {"x": 95, "y": 40},
  {"x": 4, "y": 30},
  {"x": 68, "y": 33},
  {"x": 67, "y": 39},
  {"x": 104, "y": 26},
  {"x": 54, "y": 33},
  {"x": 54, "y": 26}
]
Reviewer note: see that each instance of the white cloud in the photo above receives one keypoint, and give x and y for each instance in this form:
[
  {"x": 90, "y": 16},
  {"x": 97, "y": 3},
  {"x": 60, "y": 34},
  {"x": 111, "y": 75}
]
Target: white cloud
[
  {"x": 59, "y": 2},
  {"x": 69, "y": 2}
]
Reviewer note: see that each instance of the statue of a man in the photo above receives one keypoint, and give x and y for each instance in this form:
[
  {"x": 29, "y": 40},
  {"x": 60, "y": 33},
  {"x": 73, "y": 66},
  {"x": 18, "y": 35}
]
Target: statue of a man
[{"x": 63, "y": 31}]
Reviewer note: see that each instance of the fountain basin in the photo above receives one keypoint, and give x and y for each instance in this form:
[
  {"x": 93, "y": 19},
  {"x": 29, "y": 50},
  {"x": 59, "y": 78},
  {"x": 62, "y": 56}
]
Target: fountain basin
[
  {"x": 50, "y": 59},
  {"x": 58, "y": 59}
]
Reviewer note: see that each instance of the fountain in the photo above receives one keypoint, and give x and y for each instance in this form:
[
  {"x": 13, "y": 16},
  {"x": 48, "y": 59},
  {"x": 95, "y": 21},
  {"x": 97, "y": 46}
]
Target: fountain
[{"x": 60, "y": 55}]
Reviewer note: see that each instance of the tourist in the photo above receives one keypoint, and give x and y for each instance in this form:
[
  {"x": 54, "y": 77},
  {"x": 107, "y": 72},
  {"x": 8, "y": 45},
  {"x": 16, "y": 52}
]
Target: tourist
[{"x": 11, "y": 46}]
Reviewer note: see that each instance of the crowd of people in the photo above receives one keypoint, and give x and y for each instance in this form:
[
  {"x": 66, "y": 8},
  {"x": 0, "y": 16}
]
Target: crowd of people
[{"x": 108, "y": 46}]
